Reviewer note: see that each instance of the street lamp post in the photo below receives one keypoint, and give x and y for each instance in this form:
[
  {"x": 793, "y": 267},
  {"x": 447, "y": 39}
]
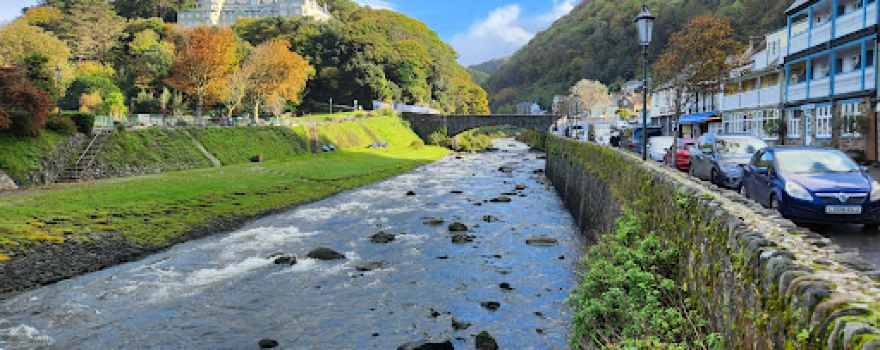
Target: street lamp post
[
  {"x": 645, "y": 25},
  {"x": 57, "y": 87}
]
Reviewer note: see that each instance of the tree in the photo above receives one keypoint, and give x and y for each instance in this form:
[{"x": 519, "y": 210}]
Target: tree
[
  {"x": 592, "y": 94},
  {"x": 151, "y": 58},
  {"x": 92, "y": 29},
  {"x": 236, "y": 90},
  {"x": 276, "y": 73},
  {"x": 206, "y": 58},
  {"x": 95, "y": 78},
  {"x": 698, "y": 58},
  {"x": 165, "y": 9},
  {"x": 46, "y": 17},
  {"x": 18, "y": 40},
  {"x": 24, "y": 109}
]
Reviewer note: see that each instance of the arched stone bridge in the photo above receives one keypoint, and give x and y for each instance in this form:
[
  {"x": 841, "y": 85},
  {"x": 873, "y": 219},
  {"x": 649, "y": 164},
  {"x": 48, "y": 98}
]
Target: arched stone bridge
[{"x": 425, "y": 124}]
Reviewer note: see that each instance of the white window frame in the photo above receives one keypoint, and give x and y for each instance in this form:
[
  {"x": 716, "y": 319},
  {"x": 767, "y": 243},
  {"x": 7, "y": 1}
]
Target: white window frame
[
  {"x": 823, "y": 122},
  {"x": 794, "y": 125},
  {"x": 769, "y": 115},
  {"x": 849, "y": 111}
]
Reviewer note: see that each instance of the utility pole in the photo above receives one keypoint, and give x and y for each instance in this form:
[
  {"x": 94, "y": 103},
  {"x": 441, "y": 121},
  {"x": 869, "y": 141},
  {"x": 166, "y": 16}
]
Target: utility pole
[{"x": 331, "y": 105}]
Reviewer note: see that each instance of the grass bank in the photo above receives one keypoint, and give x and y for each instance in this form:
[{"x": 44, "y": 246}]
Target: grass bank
[
  {"x": 21, "y": 155},
  {"x": 165, "y": 149},
  {"x": 151, "y": 212},
  {"x": 238, "y": 145}
]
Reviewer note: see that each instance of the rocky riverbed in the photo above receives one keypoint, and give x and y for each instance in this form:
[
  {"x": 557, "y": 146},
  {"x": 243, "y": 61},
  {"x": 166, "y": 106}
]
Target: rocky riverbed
[{"x": 471, "y": 251}]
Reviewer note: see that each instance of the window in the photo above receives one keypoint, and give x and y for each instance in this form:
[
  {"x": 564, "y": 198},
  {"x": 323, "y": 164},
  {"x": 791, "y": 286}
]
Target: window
[
  {"x": 793, "y": 126},
  {"x": 765, "y": 161},
  {"x": 770, "y": 124},
  {"x": 869, "y": 58},
  {"x": 823, "y": 122},
  {"x": 852, "y": 119}
]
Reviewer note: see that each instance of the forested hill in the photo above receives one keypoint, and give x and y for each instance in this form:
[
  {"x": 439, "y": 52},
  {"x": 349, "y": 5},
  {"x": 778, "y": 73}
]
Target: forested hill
[
  {"x": 597, "y": 40},
  {"x": 368, "y": 54}
]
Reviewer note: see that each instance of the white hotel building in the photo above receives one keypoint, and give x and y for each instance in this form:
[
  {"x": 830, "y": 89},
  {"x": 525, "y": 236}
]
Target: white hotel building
[{"x": 227, "y": 12}]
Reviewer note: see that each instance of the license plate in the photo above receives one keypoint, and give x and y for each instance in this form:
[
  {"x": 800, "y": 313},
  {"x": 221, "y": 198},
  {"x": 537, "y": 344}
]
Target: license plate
[{"x": 843, "y": 210}]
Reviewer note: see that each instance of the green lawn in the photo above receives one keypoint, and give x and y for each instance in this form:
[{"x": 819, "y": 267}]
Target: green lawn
[
  {"x": 22, "y": 155},
  {"x": 156, "y": 208}
]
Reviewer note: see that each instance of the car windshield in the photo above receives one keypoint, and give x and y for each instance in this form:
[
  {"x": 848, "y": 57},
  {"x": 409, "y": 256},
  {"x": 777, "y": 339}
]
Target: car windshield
[
  {"x": 814, "y": 161},
  {"x": 661, "y": 142},
  {"x": 732, "y": 146}
]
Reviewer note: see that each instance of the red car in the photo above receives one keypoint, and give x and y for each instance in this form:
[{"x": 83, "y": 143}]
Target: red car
[{"x": 678, "y": 156}]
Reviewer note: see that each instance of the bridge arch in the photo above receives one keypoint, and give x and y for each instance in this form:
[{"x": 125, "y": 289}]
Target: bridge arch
[{"x": 425, "y": 124}]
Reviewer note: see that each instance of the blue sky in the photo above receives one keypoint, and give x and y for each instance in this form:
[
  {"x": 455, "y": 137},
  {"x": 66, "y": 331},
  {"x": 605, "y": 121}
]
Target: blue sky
[{"x": 478, "y": 29}]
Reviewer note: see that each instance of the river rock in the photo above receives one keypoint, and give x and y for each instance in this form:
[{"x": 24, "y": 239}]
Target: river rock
[
  {"x": 505, "y": 169},
  {"x": 502, "y": 199},
  {"x": 490, "y": 218},
  {"x": 541, "y": 241},
  {"x": 486, "y": 342},
  {"x": 491, "y": 305},
  {"x": 325, "y": 254},
  {"x": 424, "y": 345},
  {"x": 460, "y": 238},
  {"x": 456, "y": 192},
  {"x": 538, "y": 171},
  {"x": 372, "y": 265},
  {"x": 505, "y": 286},
  {"x": 268, "y": 343},
  {"x": 382, "y": 237},
  {"x": 411, "y": 193},
  {"x": 521, "y": 187},
  {"x": 457, "y": 227},
  {"x": 433, "y": 221},
  {"x": 285, "y": 260},
  {"x": 459, "y": 324}
]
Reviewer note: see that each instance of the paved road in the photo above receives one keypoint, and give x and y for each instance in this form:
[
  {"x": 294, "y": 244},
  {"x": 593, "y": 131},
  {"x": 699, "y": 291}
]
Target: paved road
[{"x": 852, "y": 237}]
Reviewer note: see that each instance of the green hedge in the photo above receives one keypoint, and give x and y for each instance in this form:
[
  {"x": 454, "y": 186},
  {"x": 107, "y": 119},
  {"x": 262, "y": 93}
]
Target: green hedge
[{"x": 85, "y": 122}]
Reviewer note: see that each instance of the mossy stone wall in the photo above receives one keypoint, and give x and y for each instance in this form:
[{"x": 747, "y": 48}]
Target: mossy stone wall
[{"x": 761, "y": 281}]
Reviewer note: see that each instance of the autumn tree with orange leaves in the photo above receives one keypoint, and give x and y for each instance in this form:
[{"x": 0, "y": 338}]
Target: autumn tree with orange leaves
[
  {"x": 206, "y": 58},
  {"x": 275, "y": 73},
  {"x": 697, "y": 59}
]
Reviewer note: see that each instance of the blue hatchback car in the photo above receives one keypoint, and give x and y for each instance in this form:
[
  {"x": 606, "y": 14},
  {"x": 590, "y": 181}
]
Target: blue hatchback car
[{"x": 813, "y": 185}]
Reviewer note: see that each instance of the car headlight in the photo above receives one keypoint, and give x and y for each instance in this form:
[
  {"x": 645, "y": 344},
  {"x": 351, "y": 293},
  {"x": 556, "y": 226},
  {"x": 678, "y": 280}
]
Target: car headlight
[
  {"x": 797, "y": 191},
  {"x": 875, "y": 191}
]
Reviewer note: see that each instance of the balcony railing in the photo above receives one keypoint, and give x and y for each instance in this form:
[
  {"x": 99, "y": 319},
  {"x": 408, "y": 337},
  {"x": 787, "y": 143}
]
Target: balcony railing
[
  {"x": 797, "y": 92},
  {"x": 848, "y": 82},
  {"x": 821, "y": 34},
  {"x": 769, "y": 96},
  {"x": 849, "y": 23},
  {"x": 749, "y": 99},
  {"x": 799, "y": 43},
  {"x": 731, "y": 102},
  {"x": 820, "y": 88}
]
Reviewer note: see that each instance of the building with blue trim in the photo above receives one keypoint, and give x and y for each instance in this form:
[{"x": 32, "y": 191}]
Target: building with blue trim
[{"x": 830, "y": 75}]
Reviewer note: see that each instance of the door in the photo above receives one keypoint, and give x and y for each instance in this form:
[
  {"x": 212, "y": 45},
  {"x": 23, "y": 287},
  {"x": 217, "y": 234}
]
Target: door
[
  {"x": 703, "y": 160},
  {"x": 808, "y": 127}
]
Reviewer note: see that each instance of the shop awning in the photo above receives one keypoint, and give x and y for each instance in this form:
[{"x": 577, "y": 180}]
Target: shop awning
[{"x": 698, "y": 118}]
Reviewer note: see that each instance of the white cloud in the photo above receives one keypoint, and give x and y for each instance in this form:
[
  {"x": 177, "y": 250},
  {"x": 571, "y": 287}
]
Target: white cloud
[
  {"x": 377, "y": 4},
  {"x": 504, "y": 31}
]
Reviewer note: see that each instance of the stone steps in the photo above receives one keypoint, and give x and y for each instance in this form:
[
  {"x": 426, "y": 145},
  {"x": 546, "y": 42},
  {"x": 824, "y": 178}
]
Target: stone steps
[{"x": 74, "y": 171}]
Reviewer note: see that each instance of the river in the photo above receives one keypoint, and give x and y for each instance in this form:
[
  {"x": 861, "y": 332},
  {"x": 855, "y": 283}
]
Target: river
[{"x": 222, "y": 292}]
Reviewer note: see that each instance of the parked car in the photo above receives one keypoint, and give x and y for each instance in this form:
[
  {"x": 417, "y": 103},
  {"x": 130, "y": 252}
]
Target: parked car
[
  {"x": 721, "y": 158},
  {"x": 634, "y": 143},
  {"x": 679, "y": 155},
  {"x": 658, "y": 145},
  {"x": 813, "y": 185}
]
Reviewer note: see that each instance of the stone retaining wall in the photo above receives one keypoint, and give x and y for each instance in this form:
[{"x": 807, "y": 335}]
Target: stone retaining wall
[
  {"x": 761, "y": 281},
  {"x": 6, "y": 183},
  {"x": 55, "y": 163}
]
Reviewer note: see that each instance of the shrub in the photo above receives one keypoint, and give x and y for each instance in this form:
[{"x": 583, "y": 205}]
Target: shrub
[
  {"x": 417, "y": 144},
  {"x": 85, "y": 122},
  {"x": 439, "y": 138},
  {"x": 24, "y": 109},
  {"x": 62, "y": 124}
]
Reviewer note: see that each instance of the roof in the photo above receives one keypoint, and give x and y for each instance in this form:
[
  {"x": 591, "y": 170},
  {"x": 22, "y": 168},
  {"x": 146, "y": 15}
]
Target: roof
[{"x": 797, "y": 4}]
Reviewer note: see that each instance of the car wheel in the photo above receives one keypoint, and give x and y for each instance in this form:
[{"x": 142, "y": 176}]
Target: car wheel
[
  {"x": 743, "y": 191},
  {"x": 715, "y": 178},
  {"x": 870, "y": 227},
  {"x": 774, "y": 203}
]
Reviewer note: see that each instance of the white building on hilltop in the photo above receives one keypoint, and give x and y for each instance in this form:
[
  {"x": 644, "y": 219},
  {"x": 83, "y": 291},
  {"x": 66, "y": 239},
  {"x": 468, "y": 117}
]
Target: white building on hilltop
[{"x": 227, "y": 12}]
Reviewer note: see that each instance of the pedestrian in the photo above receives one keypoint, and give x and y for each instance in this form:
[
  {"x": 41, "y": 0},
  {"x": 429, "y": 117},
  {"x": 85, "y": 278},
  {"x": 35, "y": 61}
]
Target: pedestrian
[{"x": 615, "y": 139}]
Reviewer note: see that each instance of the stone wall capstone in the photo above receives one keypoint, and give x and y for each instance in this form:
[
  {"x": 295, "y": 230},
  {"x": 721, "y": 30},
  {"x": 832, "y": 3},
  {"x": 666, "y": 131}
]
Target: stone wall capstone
[{"x": 761, "y": 281}]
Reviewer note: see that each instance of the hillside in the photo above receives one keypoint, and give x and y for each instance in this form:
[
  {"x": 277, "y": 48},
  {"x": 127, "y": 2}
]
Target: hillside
[
  {"x": 490, "y": 66},
  {"x": 597, "y": 40}
]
